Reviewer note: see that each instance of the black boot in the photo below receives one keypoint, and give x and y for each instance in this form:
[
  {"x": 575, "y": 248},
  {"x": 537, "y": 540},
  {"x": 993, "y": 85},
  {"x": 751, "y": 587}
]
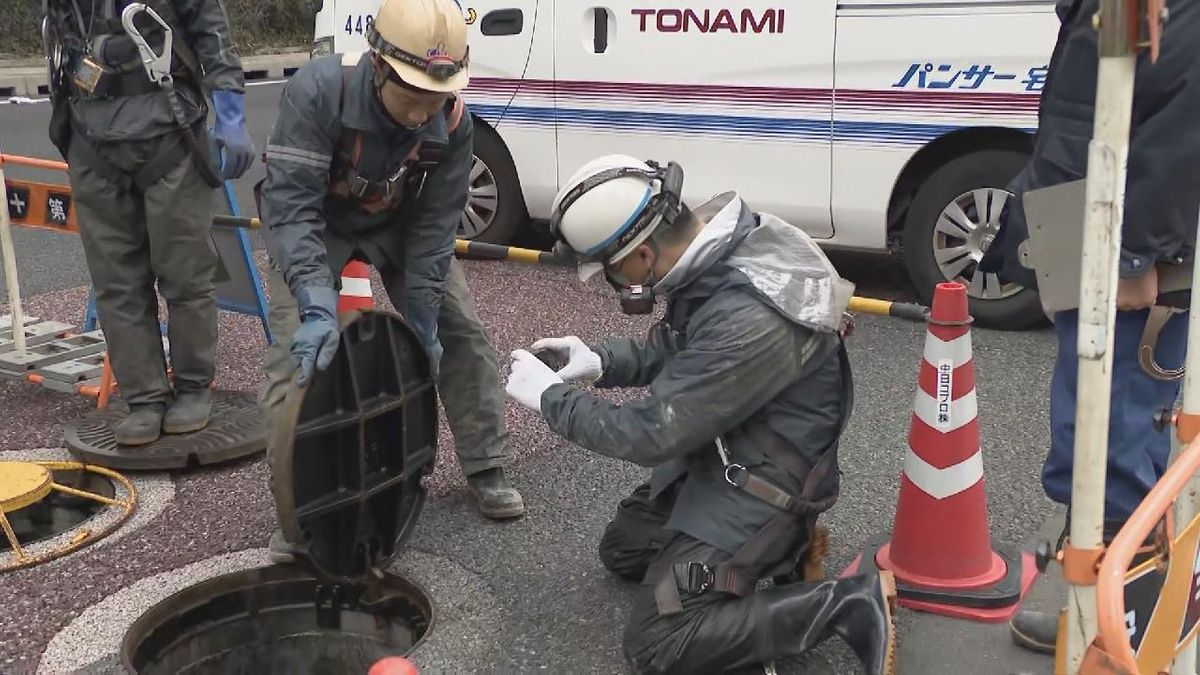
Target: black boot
[
  {"x": 496, "y": 496},
  {"x": 141, "y": 426},
  {"x": 189, "y": 412},
  {"x": 858, "y": 609},
  {"x": 1035, "y": 631}
]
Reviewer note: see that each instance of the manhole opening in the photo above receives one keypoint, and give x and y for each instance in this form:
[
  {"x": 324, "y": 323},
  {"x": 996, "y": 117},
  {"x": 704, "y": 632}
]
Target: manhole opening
[
  {"x": 59, "y": 511},
  {"x": 278, "y": 619}
]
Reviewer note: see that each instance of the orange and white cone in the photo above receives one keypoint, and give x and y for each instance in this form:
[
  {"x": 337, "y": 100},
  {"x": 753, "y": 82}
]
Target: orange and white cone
[
  {"x": 356, "y": 288},
  {"x": 940, "y": 548},
  {"x": 393, "y": 665}
]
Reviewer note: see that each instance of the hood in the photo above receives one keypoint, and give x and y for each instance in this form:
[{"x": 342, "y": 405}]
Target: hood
[{"x": 789, "y": 270}]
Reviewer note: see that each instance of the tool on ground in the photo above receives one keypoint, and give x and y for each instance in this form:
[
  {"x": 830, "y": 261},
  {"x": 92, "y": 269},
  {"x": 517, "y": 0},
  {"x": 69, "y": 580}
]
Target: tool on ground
[
  {"x": 940, "y": 548},
  {"x": 899, "y": 310},
  {"x": 158, "y": 69}
]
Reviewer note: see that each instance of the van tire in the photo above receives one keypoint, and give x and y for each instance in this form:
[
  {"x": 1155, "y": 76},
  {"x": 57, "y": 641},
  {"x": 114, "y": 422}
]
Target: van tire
[
  {"x": 1019, "y": 308},
  {"x": 499, "y": 171}
]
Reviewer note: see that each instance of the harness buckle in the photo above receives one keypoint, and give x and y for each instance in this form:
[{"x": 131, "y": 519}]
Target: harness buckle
[
  {"x": 700, "y": 577},
  {"x": 359, "y": 186}
]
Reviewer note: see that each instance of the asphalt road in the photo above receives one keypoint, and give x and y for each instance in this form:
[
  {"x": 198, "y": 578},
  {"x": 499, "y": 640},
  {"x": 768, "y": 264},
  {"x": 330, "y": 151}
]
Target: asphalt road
[{"x": 559, "y": 610}]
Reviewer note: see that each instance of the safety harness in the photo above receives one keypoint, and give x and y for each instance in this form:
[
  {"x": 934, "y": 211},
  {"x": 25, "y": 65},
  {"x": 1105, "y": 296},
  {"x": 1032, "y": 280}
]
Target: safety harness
[
  {"x": 740, "y": 574},
  {"x": 373, "y": 196}
]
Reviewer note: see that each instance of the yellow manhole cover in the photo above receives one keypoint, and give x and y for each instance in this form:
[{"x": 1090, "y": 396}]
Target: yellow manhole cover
[{"x": 22, "y": 484}]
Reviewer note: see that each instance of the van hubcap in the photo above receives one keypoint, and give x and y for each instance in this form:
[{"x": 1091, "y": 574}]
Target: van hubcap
[
  {"x": 482, "y": 202},
  {"x": 963, "y": 232}
]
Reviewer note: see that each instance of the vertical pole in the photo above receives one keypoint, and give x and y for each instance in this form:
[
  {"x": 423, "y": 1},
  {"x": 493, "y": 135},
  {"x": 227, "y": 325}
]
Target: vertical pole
[
  {"x": 1187, "y": 503},
  {"x": 1107, "y": 155},
  {"x": 10, "y": 268}
]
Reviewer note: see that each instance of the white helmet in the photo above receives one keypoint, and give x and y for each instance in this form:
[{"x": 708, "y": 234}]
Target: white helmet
[{"x": 611, "y": 205}]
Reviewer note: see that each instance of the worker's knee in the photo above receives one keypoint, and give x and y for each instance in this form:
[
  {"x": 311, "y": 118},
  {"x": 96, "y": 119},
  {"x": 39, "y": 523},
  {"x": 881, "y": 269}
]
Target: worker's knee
[{"x": 627, "y": 551}]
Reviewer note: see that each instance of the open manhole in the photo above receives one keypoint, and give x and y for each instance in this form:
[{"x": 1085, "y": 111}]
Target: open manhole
[
  {"x": 348, "y": 453},
  {"x": 277, "y": 619},
  {"x": 39, "y": 501}
]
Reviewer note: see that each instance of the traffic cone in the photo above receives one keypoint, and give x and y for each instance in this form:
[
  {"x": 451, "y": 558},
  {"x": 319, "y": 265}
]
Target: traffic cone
[
  {"x": 393, "y": 665},
  {"x": 940, "y": 549},
  {"x": 356, "y": 288}
]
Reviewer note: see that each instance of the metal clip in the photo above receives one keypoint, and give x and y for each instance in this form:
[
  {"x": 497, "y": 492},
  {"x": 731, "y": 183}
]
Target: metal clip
[
  {"x": 1158, "y": 318},
  {"x": 158, "y": 66},
  {"x": 700, "y": 577}
]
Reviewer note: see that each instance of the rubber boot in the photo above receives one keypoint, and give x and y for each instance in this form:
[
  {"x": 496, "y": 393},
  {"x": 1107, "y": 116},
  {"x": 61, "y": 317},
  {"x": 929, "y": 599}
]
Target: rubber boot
[
  {"x": 141, "y": 426},
  {"x": 496, "y": 496},
  {"x": 189, "y": 412},
  {"x": 858, "y": 609}
]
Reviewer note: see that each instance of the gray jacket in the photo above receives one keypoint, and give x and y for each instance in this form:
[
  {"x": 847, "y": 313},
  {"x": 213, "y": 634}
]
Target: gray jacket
[
  {"x": 311, "y": 234},
  {"x": 200, "y": 25},
  {"x": 735, "y": 356}
]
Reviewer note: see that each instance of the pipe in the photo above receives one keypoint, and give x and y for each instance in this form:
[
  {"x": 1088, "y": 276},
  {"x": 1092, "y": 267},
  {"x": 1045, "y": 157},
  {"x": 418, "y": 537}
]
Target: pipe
[
  {"x": 33, "y": 162},
  {"x": 1107, "y": 155},
  {"x": 8, "y": 254}
]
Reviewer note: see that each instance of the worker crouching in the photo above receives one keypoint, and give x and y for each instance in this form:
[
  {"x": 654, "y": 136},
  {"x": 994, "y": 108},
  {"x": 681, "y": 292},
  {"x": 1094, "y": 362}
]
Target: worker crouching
[{"x": 750, "y": 390}]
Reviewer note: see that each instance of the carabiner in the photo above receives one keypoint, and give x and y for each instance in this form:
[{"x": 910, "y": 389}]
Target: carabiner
[
  {"x": 158, "y": 66},
  {"x": 1159, "y": 316}
]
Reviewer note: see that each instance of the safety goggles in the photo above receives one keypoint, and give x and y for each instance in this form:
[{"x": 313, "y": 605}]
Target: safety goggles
[{"x": 439, "y": 65}]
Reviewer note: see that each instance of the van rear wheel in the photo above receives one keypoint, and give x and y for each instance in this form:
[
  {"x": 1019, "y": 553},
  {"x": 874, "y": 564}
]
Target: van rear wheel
[
  {"x": 495, "y": 207},
  {"x": 953, "y": 219}
]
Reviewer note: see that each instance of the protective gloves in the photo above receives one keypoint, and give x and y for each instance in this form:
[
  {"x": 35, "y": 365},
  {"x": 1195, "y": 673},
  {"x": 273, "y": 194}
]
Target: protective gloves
[
  {"x": 316, "y": 341},
  {"x": 230, "y": 133},
  {"x": 529, "y": 379},
  {"x": 583, "y": 364}
]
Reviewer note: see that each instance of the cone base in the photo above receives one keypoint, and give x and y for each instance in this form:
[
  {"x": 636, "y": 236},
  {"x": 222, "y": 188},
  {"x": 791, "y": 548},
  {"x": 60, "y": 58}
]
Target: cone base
[
  {"x": 991, "y": 604},
  {"x": 995, "y": 573}
]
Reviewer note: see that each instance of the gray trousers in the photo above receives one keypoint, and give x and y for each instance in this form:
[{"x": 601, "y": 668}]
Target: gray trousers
[
  {"x": 468, "y": 378},
  {"x": 133, "y": 239}
]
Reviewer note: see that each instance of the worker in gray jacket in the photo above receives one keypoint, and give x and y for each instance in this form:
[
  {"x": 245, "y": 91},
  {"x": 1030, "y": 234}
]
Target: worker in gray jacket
[
  {"x": 369, "y": 160},
  {"x": 143, "y": 177},
  {"x": 750, "y": 390}
]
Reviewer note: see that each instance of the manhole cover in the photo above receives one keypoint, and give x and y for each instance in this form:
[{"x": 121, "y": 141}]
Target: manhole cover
[
  {"x": 236, "y": 429},
  {"x": 55, "y": 500},
  {"x": 278, "y": 620}
]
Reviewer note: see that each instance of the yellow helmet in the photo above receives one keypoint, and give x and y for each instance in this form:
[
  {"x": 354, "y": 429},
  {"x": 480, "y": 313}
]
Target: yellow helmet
[{"x": 424, "y": 42}]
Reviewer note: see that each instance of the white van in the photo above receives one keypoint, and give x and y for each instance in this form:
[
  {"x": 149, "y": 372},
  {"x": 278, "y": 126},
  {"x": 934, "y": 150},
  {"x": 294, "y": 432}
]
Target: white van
[{"x": 880, "y": 125}]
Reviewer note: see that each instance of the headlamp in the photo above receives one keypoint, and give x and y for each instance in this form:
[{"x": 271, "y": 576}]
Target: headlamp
[{"x": 438, "y": 64}]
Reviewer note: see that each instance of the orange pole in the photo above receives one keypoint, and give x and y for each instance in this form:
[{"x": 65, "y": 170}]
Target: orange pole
[
  {"x": 1110, "y": 588},
  {"x": 33, "y": 162},
  {"x": 106, "y": 380}
]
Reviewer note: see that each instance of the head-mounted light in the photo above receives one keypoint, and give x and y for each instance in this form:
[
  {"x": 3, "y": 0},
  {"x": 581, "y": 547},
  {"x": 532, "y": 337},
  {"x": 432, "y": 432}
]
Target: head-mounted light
[{"x": 437, "y": 64}]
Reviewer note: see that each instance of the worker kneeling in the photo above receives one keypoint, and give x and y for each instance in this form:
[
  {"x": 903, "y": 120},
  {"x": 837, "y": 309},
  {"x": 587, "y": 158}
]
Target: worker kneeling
[{"x": 750, "y": 389}]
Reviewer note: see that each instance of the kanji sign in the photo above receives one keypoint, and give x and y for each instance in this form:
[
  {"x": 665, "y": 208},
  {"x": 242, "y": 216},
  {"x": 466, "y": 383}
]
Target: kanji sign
[
  {"x": 58, "y": 205},
  {"x": 18, "y": 201},
  {"x": 945, "y": 76}
]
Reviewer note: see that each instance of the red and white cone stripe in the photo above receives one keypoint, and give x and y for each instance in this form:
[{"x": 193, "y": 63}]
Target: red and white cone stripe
[
  {"x": 945, "y": 412},
  {"x": 357, "y": 287}
]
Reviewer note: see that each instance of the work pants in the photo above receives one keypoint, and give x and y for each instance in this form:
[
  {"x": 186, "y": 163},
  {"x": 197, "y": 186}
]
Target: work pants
[
  {"x": 134, "y": 238},
  {"x": 1137, "y": 453},
  {"x": 468, "y": 377},
  {"x": 715, "y": 631}
]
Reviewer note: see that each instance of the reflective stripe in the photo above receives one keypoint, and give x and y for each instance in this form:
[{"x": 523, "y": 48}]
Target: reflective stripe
[
  {"x": 947, "y": 482},
  {"x": 958, "y": 349},
  {"x": 359, "y": 287},
  {"x": 962, "y": 410},
  {"x": 299, "y": 156},
  {"x": 621, "y": 230}
]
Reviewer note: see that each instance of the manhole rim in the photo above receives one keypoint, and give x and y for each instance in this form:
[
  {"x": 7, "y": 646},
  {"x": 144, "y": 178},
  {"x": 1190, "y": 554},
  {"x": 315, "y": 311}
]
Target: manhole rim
[
  {"x": 161, "y": 611},
  {"x": 22, "y": 560}
]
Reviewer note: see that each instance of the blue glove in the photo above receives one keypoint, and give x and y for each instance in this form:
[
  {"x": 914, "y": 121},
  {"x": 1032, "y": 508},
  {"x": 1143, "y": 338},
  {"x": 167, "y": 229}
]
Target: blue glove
[
  {"x": 316, "y": 341},
  {"x": 230, "y": 133}
]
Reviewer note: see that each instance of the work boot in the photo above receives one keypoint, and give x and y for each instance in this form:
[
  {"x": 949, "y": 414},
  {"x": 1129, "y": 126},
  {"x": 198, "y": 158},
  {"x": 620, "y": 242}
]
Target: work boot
[
  {"x": 858, "y": 609},
  {"x": 496, "y": 496},
  {"x": 279, "y": 549},
  {"x": 189, "y": 412},
  {"x": 1035, "y": 631},
  {"x": 141, "y": 426}
]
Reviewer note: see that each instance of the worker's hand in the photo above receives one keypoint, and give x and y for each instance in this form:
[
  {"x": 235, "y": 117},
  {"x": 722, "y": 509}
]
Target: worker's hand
[
  {"x": 529, "y": 379},
  {"x": 583, "y": 364},
  {"x": 1139, "y": 292},
  {"x": 230, "y": 133},
  {"x": 316, "y": 341}
]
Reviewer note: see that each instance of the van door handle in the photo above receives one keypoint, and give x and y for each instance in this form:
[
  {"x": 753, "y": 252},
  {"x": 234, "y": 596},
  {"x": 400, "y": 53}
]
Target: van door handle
[
  {"x": 502, "y": 22},
  {"x": 600, "y": 38}
]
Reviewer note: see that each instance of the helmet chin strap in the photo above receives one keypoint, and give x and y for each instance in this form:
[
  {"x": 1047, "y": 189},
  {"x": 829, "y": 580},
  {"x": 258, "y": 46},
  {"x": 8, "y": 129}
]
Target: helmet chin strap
[{"x": 379, "y": 79}]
